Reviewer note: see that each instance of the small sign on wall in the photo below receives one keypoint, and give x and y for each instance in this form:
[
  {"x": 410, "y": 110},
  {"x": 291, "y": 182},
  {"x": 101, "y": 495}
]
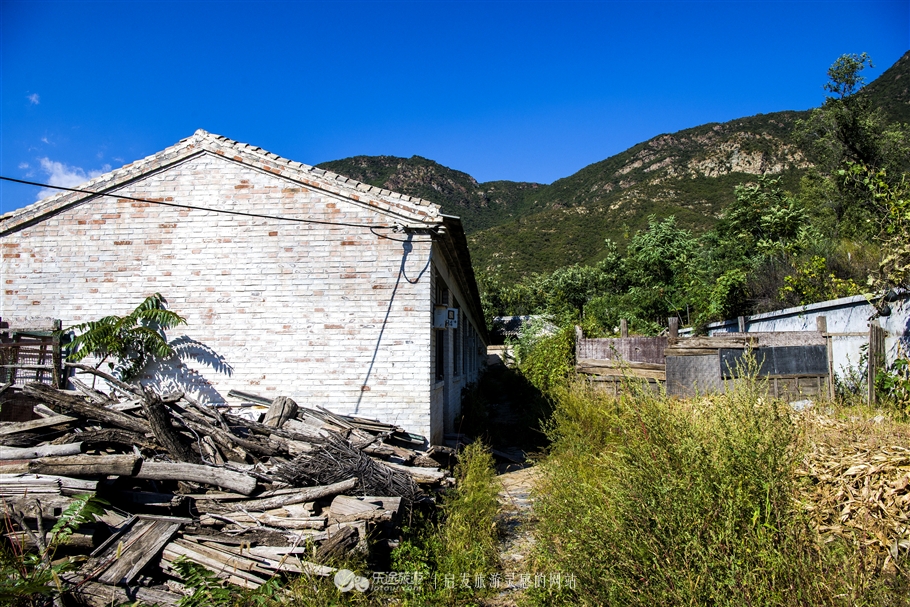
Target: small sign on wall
[{"x": 445, "y": 318}]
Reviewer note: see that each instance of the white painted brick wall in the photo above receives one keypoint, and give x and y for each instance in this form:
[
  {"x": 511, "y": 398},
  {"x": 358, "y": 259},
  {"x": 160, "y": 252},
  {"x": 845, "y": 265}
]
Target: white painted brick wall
[{"x": 295, "y": 309}]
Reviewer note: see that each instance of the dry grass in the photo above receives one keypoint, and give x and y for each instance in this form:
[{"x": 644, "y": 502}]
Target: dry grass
[{"x": 856, "y": 482}]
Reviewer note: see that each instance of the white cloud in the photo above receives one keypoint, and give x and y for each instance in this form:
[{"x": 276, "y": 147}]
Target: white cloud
[
  {"x": 34, "y": 98},
  {"x": 66, "y": 176},
  {"x": 44, "y": 140},
  {"x": 23, "y": 165}
]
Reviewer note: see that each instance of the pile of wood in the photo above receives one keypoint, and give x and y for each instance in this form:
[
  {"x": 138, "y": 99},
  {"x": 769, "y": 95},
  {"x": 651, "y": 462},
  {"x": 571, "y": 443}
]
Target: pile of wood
[{"x": 245, "y": 498}]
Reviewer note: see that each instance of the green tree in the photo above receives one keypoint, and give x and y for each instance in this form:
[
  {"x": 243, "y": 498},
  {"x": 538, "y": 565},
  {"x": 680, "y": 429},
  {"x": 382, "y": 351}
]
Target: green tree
[
  {"x": 848, "y": 128},
  {"x": 132, "y": 340}
]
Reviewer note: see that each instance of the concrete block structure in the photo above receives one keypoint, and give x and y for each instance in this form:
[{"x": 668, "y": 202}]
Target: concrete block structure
[{"x": 293, "y": 280}]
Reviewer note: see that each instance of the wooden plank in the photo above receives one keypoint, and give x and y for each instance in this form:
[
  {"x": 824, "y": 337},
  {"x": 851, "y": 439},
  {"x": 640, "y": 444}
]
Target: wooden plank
[
  {"x": 121, "y": 561},
  {"x": 620, "y": 373},
  {"x": 94, "y": 594},
  {"x": 10, "y": 484},
  {"x": 35, "y": 424},
  {"x": 680, "y": 351},
  {"x": 619, "y": 364}
]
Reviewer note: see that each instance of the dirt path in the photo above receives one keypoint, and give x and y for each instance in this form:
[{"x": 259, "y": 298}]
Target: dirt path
[{"x": 516, "y": 520}]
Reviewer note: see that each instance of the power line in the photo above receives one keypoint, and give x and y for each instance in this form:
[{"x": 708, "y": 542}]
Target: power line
[{"x": 197, "y": 208}]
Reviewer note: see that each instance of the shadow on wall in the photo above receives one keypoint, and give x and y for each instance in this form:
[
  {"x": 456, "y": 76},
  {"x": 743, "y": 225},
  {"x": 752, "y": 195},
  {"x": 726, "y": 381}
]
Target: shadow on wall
[{"x": 173, "y": 374}]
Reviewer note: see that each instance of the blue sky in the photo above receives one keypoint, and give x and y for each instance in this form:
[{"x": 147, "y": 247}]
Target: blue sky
[{"x": 528, "y": 91}]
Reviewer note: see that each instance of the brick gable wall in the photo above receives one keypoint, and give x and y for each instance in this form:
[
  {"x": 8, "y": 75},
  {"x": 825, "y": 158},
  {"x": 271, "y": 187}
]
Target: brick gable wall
[{"x": 319, "y": 313}]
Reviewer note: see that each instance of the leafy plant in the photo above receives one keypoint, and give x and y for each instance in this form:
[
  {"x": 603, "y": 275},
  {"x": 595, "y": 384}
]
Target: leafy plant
[
  {"x": 131, "y": 340},
  {"x": 208, "y": 590},
  {"x": 31, "y": 578}
]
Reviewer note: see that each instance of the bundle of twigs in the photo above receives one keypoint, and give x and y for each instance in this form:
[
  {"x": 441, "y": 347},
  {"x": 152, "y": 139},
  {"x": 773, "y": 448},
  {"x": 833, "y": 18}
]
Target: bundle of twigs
[{"x": 336, "y": 460}]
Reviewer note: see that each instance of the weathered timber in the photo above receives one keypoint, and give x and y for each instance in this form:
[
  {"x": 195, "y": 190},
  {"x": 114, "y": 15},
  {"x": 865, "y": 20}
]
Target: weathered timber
[
  {"x": 209, "y": 475},
  {"x": 211, "y": 412},
  {"x": 108, "y": 437},
  {"x": 40, "y": 451},
  {"x": 94, "y": 594},
  {"x": 619, "y": 373},
  {"x": 35, "y": 424},
  {"x": 77, "y": 404},
  {"x": 85, "y": 465},
  {"x": 234, "y": 568},
  {"x": 297, "y": 496},
  {"x": 338, "y": 544},
  {"x": 419, "y": 474},
  {"x": 227, "y": 440},
  {"x": 261, "y": 518},
  {"x": 160, "y": 421},
  {"x": 18, "y": 484},
  {"x": 715, "y": 342},
  {"x": 618, "y": 364},
  {"x": 680, "y": 351},
  {"x": 120, "y": 559},
  {"x": 281, "y": 410},
  {"x": 99, "y": 398},
  {"x": 121, "y": 385}
]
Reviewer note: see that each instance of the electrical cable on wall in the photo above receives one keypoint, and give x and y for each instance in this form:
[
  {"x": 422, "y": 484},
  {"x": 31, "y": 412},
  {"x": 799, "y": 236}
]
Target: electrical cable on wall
[{"x": 395, "y": 228}]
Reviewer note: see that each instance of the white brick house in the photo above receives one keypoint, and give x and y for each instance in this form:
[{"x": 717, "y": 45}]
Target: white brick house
[{"x": 335, "y": 310}]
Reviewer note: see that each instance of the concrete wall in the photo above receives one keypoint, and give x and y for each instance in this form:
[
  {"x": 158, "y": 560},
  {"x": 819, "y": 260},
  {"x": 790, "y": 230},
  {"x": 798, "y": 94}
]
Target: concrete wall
[
  {"x": 328, "y": 315},
  {"x": 848, "y": 321}
]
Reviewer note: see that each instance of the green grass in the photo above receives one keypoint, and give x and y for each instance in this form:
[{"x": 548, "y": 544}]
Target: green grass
[
  {"x": 648, "y": 500},
  {"x": 464, "y": 543}
]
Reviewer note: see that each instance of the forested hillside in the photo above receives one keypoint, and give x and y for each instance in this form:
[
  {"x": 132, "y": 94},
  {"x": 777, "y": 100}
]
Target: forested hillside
[{"x": 720, "y": 219}]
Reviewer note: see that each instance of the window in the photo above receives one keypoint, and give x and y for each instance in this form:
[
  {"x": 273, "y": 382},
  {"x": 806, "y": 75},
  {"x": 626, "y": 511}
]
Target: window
[{"x": 441, "y": 298}]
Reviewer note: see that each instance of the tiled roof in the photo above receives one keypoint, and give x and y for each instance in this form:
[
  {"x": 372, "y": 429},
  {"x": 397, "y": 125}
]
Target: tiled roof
[{"x": 408, "y": 208}]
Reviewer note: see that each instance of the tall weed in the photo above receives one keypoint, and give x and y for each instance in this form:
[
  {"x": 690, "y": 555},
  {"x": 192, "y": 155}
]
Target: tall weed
[
  {"x": 450, "y": 555},
  {"x": 653, "y": 501}
]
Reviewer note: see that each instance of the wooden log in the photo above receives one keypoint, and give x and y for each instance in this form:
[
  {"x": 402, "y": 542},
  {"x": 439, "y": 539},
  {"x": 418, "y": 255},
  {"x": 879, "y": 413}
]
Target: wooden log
[
  {"x": 85, "y": 465},
  {"x": 35, "y": 424},
  {"x": 99, "y": 398},
  {"x": 261, "y": 518},
  {"x": 419, "y": 474},
  {"x": 121, "y": 385},
  {"x": 108, "y": 437},
  {"x": 78, "y": 405},
  {"x": 160, "y": 421},
  {"x": 281, "y": 410},
  {"x": 28, "y": 505},
  {"x": 299, "y": 496},
  {"x": 208, "y": 475},
  {"x": 40, "y": 451},
  {"x": 241, "y": 446}
]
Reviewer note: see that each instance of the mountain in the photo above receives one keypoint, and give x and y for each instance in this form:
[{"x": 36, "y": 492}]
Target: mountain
[
  {"x": 480, "y": 205},
  {"x": 518, "y": 228}
]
